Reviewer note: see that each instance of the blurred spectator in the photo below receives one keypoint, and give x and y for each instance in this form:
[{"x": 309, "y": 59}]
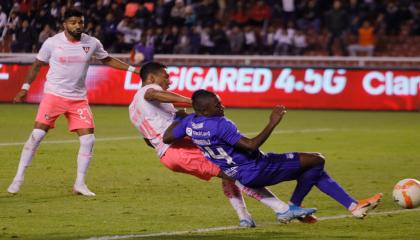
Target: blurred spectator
[
  {"x": 131, "y": 32},
  {"x": 392, "y": 18},
  {"x": 178, "y": 13},
  {"x": 45, "y": 34},
  {"x": 259, "y": 13},
  {"x": 183, "y": 46},
  {"x": 269, "y": 40},
  {"x": 190, "y": 17},
  {"x": 109, "y": 27},
  {"x": 288, "y": 11},
  {"x": 169, "y": 39},
  {"x": 239, "y": 15},
  {"x": 195, "y": 40},
  {"x": 207, "y": 45},
  {"x": 205, "y": 12},
  {"x": 24, "y": 40},
  {"x": 54, "y": 10},
  {"x": 366, "y": 40},
  {"x": 336, "y": 21},
  {"x": 3, "y": 20},
  {"x": 142, "y": 52},
  {"x": 310, "y": 16},
  {"x": 283, "y": 40},
  {"x": 250, "y": 43},
  {"x": 142, "y": 16},
  {"x": 160, "y": 14},
  {"x": 7, "y": 36},
  {"x": 236, "y": 40},
  {"x": 221, "y": 42},
  {"x": 299, "y": 43}
]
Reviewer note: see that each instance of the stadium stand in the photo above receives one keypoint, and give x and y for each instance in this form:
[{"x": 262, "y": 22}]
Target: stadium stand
[{"x": 252, "y": 27}]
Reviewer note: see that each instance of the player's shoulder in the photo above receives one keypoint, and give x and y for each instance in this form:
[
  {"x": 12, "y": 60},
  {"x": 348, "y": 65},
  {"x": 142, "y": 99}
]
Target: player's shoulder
[
  {"x": 152, "y": 85},
  {"x": 88, "y": 39}
]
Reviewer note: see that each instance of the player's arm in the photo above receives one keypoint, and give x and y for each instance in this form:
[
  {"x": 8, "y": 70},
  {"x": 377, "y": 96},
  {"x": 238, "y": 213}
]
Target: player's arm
[
  {"x": 118, "y": 64},
  {"x": 165, "y": 96},
  {"x": 252, "y": 144},
  {"x": 33, "y": 72},
  {"x": 168, "y": 136}
]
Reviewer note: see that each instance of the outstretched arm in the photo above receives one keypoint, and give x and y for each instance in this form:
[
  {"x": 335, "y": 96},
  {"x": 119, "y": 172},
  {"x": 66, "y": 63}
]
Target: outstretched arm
[
  {"x": 165, "y": 96},
  {"x": 252, "y": 144},
  {"x": 33, "y": 72},
  {"x": 118, "y": 64}
]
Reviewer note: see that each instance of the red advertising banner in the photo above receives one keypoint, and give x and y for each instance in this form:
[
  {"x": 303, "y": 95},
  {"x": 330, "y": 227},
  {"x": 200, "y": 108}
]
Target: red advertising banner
[{"x": 248, "y": 86}]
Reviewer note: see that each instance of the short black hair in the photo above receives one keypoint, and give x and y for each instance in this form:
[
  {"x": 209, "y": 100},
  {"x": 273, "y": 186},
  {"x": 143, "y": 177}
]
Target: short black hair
[
  {"x": 200, "y": 100},
  {"x": 72, "y": 12},
  {"x": 150, "y": 68}
]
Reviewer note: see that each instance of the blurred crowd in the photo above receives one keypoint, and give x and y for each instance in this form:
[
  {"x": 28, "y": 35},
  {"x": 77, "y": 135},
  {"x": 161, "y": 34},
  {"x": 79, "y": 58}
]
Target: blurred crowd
[{"x": 263, "y": 27}]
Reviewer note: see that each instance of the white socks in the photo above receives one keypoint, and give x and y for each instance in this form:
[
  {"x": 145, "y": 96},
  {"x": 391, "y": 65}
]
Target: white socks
[
  {"x": 233, "y": 193},
  {"x": 264, "y": 196},
  {"x": 84, "y": 157},
  {"x": 28, "y": 152}
]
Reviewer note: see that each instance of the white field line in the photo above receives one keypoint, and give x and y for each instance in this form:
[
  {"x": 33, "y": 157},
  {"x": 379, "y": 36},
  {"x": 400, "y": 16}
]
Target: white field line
[
  {"x": 217, "y": 229},
  {"x": 309, "y": 130}
]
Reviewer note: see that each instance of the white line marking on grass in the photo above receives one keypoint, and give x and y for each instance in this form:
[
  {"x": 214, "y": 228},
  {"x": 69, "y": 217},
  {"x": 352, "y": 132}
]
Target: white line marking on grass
[
  {"x": 109, "y": 139},
  {"x": 216, "y": 229}
]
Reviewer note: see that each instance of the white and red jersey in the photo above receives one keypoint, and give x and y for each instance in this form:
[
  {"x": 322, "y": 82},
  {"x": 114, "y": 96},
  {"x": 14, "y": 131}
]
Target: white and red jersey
[
  {"x": 69, "y": 62},
  {"x": 152, "y": 118}
]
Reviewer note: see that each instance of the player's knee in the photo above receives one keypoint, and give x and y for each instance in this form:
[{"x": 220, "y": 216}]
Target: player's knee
[
  {"x": 319, "y": 158},
  {"x": 87, "y": 140},
  {"x": 36, "y": 137}
]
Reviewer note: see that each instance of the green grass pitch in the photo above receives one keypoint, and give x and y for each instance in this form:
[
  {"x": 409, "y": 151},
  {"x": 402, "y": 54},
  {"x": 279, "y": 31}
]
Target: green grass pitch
[{"x": 367, "y": 152}]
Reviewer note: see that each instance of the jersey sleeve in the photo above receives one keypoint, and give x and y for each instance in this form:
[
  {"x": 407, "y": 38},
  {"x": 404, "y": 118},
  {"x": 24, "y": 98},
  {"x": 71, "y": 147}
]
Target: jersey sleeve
[
  {"x": 100, "y": 52},
  {"x": 180, "y": 130},
  {"x": 44, "y": 53},
  {"x": 230, "y": 133}
]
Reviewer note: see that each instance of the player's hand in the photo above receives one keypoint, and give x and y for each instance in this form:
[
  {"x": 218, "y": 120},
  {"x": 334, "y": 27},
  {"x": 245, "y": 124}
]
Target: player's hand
[
  {"x": 277, "y": 114},
  {"x": 20, "y": 96}
]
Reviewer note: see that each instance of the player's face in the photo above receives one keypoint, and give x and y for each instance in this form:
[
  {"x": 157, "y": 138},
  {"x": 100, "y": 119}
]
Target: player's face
[
  {"x": 74, "y": 26},
  {"x": 162, "y": 79},
  {"x": 216, "y": 107}
]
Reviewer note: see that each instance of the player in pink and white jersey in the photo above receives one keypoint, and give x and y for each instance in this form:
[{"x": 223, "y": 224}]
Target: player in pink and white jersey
[
  {"x": 152, "y": 112},
  {"x": 68, "y": 53}
]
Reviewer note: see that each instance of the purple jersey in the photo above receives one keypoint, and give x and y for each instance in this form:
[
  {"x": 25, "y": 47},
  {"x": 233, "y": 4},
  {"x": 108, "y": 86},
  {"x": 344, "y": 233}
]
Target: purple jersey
[{"x": 216, "y": 137}]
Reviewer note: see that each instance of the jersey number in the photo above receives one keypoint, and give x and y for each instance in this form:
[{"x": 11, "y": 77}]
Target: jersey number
[{"x": 222, "y": 155}]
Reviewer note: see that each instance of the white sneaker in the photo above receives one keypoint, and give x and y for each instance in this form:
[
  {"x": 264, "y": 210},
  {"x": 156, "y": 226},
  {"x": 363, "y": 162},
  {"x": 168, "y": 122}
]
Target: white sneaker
[
  {"x": 82, "y": 190},
  {"x": 15, "y": 186}
]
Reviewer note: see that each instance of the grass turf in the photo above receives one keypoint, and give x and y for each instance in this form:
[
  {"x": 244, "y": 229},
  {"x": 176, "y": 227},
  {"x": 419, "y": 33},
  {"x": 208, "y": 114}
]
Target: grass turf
[{"x": 367, "y": 152}]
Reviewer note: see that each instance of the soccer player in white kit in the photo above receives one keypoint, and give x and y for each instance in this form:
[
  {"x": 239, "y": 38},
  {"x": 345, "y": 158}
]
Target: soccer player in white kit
[
  {"x": 68, "y": 53},
  {"x": 152, "y": 112}
]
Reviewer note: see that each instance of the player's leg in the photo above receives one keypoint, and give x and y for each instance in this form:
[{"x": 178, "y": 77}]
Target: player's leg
[
  {"x": 27, "y": 154},
  {"x": 265, "y": 196},
  {"x": 80, "y": 119},
  {"x": 234, "y": 195},
  {"x": 49, "y": 110},
  {"x": 313, "y": 173},
  {"x": 187, "y": 158}
]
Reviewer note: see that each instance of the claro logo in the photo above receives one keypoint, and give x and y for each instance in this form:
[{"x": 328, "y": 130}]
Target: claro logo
[{"x": 377, "y": 83}]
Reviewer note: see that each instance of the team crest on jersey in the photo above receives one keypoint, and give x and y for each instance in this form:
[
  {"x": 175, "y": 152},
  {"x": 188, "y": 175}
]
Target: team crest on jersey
[
  {"x": 86, "y": 49},
  {"x": 47, "y": 117},
  {"x": 197, "y": 125}
]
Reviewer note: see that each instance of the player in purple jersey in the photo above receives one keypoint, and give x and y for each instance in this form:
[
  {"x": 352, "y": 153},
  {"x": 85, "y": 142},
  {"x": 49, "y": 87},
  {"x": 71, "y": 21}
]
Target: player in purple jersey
[{"x": 240, "y": 158}]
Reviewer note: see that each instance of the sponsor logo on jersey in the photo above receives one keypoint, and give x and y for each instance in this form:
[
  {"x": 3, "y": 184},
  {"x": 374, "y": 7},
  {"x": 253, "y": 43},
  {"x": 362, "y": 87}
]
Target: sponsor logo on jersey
[{"x": 86, "y": 49}]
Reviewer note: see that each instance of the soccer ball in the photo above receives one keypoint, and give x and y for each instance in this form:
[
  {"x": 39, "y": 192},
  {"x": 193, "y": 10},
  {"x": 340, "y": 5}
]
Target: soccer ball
[{"x": 407, "y": 193}]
